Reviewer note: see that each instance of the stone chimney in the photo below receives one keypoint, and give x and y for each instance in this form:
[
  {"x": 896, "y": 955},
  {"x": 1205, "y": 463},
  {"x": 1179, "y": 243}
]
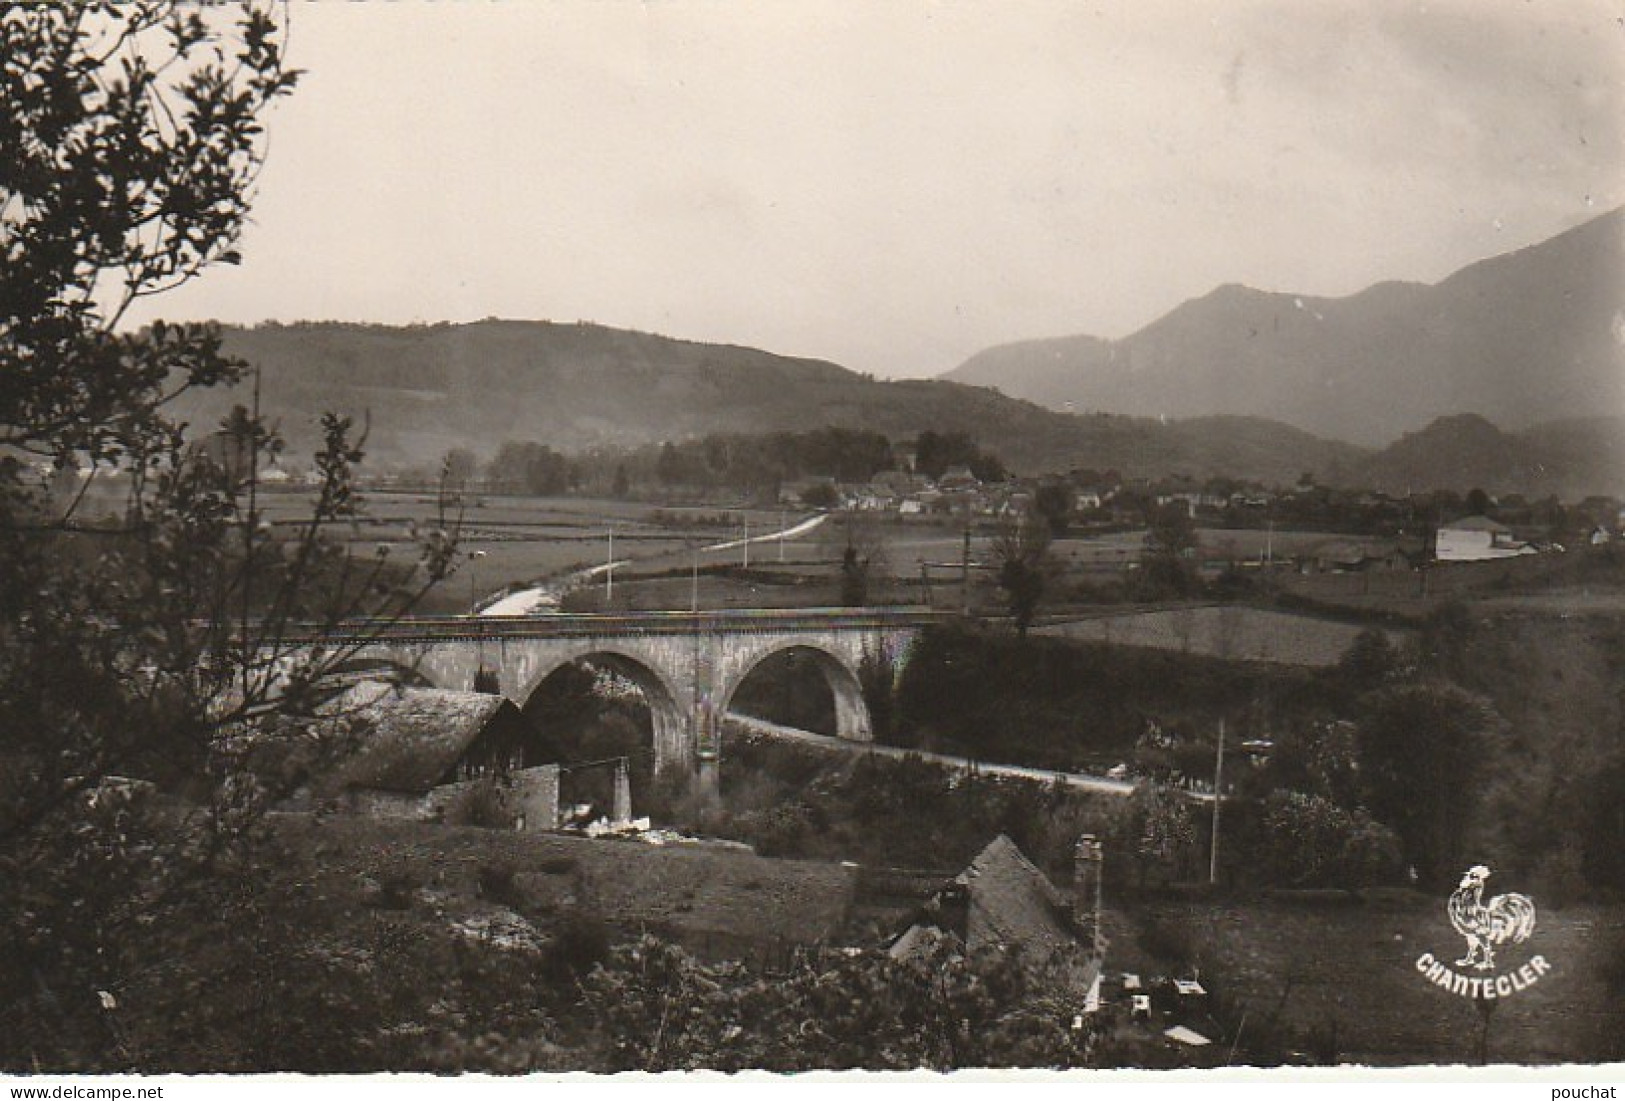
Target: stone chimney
[
  {"x": 950, "y": 910},
  {"x": 1087, "y": 858}
]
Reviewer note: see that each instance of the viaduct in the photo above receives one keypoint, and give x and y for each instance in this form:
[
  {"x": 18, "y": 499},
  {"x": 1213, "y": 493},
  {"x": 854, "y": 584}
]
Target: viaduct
[{"x": 687, "y": 664}]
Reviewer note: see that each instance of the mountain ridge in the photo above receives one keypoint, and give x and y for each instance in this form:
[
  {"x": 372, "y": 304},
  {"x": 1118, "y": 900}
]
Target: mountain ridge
[
  {"x": 1524, "y": 337},
  {"x": 426, "y": 389}
]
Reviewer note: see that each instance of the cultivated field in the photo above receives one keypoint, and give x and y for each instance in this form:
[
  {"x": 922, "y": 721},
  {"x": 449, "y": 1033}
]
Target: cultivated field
[{"x": 509, "y": 542}]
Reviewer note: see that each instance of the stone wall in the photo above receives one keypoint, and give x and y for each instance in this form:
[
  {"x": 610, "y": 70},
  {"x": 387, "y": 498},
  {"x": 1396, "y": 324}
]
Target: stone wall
[{"x": 528, "y": 801}]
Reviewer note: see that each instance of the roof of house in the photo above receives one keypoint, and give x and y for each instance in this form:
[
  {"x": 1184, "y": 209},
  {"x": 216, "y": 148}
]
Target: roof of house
[
  {"x": 1354, "y": 551},
  {"x": 1475, "y": 523},
  {"x": 1011, "y": 903},
  {"x": 409, "y": 737}
]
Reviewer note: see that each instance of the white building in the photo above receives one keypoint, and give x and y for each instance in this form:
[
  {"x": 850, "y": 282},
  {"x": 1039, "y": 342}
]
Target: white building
[{"x": 1475, "y": 539}]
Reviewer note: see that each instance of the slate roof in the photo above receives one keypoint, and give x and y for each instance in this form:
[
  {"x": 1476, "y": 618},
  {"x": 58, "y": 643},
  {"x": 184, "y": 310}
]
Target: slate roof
[
  {"x": 1011, "y": 903},
  {"x": 410, "y": 738}
]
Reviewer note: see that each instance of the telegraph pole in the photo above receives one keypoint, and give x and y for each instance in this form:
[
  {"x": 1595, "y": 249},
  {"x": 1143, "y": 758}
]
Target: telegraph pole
[
  {"x": 1218, "y": 800},
  {"x": 746, "y": 543},
  {"x": 609, "y": 571},
  {"x": 964, "y": 571}
]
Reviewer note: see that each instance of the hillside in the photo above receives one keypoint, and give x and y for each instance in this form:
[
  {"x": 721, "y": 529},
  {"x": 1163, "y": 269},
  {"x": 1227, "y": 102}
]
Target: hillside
[
  {"x": 1530, "y": 336},
  {"x": 426, "y": 389},
  {"x": 1571, "y": 458}
]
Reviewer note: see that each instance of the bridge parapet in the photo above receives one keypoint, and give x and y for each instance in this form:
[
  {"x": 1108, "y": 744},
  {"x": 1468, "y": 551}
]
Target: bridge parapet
[{"x": 598, "y": 624}]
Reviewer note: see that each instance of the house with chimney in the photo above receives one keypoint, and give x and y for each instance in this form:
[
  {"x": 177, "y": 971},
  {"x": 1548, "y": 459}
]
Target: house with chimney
[{"x": 1003, "y": 901}]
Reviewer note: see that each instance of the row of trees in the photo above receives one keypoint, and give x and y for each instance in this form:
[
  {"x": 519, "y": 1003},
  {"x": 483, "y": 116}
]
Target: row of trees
[{"x": 738, "y": 462}]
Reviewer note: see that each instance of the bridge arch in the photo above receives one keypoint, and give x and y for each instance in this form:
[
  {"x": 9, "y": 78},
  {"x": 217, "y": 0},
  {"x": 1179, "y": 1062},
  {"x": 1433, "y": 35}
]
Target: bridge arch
[
  {"x": 667, "y": 716},
  {"x": 846, "y": 689}
]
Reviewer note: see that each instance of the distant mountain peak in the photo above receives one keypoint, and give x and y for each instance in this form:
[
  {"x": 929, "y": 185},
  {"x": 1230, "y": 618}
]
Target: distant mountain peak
[{"x": 1525, "y": 337}]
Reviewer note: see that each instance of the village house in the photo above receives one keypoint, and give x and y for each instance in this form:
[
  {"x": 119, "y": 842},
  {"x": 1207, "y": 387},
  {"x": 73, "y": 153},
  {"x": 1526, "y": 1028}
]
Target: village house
[{"x": 1001, "y": 900}]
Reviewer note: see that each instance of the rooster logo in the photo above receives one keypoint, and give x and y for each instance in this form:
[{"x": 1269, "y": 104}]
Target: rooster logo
[{"x": 1504, "y": 919}]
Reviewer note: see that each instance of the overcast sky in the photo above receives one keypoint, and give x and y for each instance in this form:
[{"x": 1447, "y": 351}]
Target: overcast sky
[{"x": 895, "y": 186}]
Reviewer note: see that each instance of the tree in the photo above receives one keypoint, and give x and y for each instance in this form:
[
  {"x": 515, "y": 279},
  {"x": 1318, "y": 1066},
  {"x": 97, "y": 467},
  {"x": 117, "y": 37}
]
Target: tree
[
  {"x": 936, "y": 452},
  {"x": 1170, "y": 547},
  {"x": 862, "y": 546},
  {"x": 1021, "y": 552},
  {"x": 822, "y": 495},
  {"x": 148, "y": 655},
  {"x": 1313, "y": 842},
  {"x": 669, "y": 467},
  {"x": 1422, "y": 750},
  {"x": 1370, "y": 660},
  {"x": 529, "y": 468},
  {"x": 458, "y": 468},
  {"x": 1053, "y": 501},
  {"x": 622, "y": 485},
  {"x": 1602, "y": 826},
  {"x": 1157, "y": 830}
]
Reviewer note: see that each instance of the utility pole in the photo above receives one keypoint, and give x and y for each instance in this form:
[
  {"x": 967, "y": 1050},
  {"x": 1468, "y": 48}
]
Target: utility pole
[
  {"x": 964, "y": 571},
  {"x": 746, "y": 542},
  {"x": 474, "y": 610},
  {"x": 1218, "y": 800},
  {"x": 251, "y": 523},
  {"x": 609, "y": 571},
  {"x": 474, "y": 581},
  {"x": 781, "y": 535}
]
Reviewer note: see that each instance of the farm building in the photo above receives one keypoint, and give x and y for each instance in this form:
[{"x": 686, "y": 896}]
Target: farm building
[
  {"x": 1475, "y": 539},
  {"x": 420, "y": 750},
  {"x": 1353, "y": 555}
]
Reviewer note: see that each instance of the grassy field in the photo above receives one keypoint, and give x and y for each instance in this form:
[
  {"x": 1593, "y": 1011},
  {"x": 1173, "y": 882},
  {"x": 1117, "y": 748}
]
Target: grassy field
[
  {"x": 705, "y": 897},
  {"x": 1355, "y": 965},
  {"x": 1229, "y": 631}
]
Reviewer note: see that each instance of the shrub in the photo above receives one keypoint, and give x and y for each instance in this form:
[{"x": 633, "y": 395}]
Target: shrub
[
  {"x": 580, "y": 942},
  {"x": 497, "y": 883},
  {"x": 483, "y": 803}
]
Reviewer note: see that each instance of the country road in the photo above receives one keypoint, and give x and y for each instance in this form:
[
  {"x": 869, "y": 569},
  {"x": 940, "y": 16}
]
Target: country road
[
  {"x": 541, "y": 599},
  {"x": 1099, "y": 785}
]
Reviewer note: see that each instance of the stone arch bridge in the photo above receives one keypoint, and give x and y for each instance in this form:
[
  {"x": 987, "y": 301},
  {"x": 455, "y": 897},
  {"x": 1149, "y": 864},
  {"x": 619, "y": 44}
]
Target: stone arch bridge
[{"x": 688, "y": 665}]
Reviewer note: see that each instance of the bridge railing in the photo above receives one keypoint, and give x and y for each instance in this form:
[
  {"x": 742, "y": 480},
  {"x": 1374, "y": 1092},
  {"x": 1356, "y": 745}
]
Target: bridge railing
[{"x": 595, "y": 624}]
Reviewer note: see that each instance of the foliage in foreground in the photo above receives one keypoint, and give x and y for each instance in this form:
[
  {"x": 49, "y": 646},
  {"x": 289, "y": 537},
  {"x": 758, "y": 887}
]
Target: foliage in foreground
[
  {"x": 148, "y": 654},
  {"x": 657, "y": 1008}
]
